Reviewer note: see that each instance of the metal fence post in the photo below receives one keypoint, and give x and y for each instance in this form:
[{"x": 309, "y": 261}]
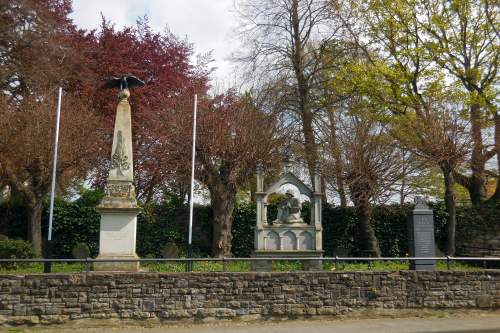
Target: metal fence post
[
  {"x": 87, "y": 265},
  {"x": 448, "y": 262},
  {"x": 224, "y": 264}
]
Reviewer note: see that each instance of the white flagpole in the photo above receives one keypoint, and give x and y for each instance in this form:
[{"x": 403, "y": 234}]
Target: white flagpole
[
  {"x": 47, "y": 265},
  {"x": 190, "y": 239},
  {"x": 54, "y": 165}
]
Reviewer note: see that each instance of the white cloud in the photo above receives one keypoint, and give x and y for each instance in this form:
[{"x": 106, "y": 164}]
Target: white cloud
[{"x": 205, "y": 23}]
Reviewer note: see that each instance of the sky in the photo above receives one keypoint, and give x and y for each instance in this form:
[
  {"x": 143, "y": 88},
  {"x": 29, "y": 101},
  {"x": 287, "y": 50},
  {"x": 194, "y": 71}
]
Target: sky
[{"x": 205, "y": 23}]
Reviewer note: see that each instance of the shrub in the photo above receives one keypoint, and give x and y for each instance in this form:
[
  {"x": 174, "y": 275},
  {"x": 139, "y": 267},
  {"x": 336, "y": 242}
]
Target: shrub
[
  {"x": 13, "y": 218},
  {"x": 243, "y": 230},
  {"x": 15, "y": 249},
  {"x": 76, "y": 222}
]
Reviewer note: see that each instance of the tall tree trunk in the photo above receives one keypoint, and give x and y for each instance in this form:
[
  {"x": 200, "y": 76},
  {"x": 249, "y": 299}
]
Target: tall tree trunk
[
  {"x": 223, "y": 203},
  {"x": 35, "y": 210},
  {"x": 476, "y": 185},
  {"x": 303, "y": 90},
  {"x": 337, "y": 163},
  {"x": 341, "y": 191},
  {"x": 402, "y": 195},
  {"x": 495, "y": 198},
  {"x": 309, "y": 141},
  {"x": 369, "y": 240},
  {"x": 449, "y": 201}
]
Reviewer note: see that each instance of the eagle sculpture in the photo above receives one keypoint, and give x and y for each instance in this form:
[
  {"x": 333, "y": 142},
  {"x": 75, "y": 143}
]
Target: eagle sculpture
[{"x": 124, "y": 82}]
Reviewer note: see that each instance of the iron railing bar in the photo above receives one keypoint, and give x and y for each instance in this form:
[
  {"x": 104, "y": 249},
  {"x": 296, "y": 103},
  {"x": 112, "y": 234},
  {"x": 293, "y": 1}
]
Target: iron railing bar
[{"x": 225, "y": 259}]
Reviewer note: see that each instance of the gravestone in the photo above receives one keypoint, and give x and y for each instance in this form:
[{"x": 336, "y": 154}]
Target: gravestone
[
  {"x": 421, "y": 236},
  {"x": 170, "y": 251},
  {"x": 80, "y": 251}
]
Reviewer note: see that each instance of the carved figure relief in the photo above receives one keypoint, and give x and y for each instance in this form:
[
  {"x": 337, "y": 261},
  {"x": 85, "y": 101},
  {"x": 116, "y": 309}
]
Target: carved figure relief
[
  {"x": 289, "y": 210},
  {"x": 119, "y": 160}
]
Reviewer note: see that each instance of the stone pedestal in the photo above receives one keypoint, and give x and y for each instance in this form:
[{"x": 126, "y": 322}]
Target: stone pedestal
[
  {"x": 117, "y": 239},
  {"x": 118, "y": 209}
]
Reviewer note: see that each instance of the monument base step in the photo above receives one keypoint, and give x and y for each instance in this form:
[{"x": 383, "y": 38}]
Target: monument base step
[{"x": 126, "y": 266}]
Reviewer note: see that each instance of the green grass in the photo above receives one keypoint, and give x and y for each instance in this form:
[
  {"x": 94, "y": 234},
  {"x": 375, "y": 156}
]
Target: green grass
[
  {"x": 364, "y": 266},
  {"x": 292, "y": 266},
  {"x": 395, "y": 266},
  {"x": 457, "y": 266},
  {"x": 57, "y": 267},
  {"x": 199, "y": 266},
  {"x": 287, "y": 266},
  {"x": 240, "y": 266}
]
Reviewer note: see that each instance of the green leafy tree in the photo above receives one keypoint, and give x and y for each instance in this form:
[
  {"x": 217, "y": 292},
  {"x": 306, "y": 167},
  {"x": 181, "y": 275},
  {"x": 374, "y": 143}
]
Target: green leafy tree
[
  {"x": 409, "y": 91},
  {"x": 461, "y": 36}
]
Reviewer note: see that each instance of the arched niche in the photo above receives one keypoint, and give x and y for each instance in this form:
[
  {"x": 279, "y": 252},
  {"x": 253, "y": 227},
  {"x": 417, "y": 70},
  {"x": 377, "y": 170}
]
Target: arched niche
[
  {"x": 289, "y": 178},
  {"x": 305, "y": 241},
  {"x": 289, "y": 241},
  {"x": 273, "y": 241}
]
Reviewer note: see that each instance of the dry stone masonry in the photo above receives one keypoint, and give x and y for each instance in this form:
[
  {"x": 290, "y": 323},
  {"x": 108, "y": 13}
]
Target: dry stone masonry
[{"x": 57, "y": 298}]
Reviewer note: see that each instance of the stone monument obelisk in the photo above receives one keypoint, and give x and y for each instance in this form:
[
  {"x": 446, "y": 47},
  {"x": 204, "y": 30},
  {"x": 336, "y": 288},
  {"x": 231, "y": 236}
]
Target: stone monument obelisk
[
  {"x": 118, "y": 209},
  {"x": 421, "y": 236}
]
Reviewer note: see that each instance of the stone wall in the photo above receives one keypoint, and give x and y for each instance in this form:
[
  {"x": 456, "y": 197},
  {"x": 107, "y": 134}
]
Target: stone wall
[{"x": 56, "y": 298}]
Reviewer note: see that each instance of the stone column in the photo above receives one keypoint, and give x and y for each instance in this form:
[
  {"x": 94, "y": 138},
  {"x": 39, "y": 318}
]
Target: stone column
[
  {"x": 421, "y": 236},
  {"x": 317, "y": 209},
  {"x": 118, "y": 209},
  {"x": 261, "y": 211}
]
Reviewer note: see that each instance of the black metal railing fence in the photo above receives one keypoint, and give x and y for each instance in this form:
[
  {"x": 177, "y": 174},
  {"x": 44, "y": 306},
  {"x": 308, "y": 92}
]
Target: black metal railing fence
[{"x": 188, "y": 262}]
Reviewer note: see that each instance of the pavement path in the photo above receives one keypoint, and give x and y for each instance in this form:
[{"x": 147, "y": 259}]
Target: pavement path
[{"x": 483, "y": 324}]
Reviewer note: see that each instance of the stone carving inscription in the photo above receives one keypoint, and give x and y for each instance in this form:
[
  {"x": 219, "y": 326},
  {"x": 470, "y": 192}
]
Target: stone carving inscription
[
  {"x": 424, "y": 236},
  {"x": 421, "y": 238},
  {"x": 119, "y": 190},
  {"x": 424, "y": 242},
  {"x": 117, "y": 235}
]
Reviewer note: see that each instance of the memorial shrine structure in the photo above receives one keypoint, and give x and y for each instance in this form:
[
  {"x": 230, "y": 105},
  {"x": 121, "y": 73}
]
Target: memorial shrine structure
[{"x": 288, "y": 235}]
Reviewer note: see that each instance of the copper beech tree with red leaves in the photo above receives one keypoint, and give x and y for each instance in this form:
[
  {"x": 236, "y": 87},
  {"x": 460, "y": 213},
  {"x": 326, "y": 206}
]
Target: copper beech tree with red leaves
[
  {"x": 26, "y": 151},
  {"x": 40, "y": 50},
  {"x": 162, "y": 61},
  {"x": 38, "y": 55}
]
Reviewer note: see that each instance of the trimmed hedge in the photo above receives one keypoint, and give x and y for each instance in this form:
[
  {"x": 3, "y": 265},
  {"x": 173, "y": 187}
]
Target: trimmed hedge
[
  {"x": 78, "y": 222},
  {"x": 15, "y": 249}
]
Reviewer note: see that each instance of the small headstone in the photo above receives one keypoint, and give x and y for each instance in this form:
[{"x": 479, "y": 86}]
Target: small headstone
[
  {"x": 421, "y": 236},
  {"x": 170, "y": 250},
  {"x": 438, "y": 252},
  {"x": 80, "y": 251}
]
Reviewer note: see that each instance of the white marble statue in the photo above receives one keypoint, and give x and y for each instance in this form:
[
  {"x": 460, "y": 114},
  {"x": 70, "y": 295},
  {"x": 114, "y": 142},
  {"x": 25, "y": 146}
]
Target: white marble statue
[{"x": 289, "y": 210}]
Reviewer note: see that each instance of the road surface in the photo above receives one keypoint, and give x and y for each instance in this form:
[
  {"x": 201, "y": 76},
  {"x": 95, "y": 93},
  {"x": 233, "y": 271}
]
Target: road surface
[{"x": 476, "y": 324}]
